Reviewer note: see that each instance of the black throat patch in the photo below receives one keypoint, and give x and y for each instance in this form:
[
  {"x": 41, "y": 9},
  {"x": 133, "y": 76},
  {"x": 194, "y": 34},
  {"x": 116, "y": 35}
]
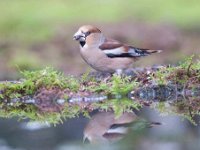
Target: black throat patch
[{"x": 82, "y": 43}]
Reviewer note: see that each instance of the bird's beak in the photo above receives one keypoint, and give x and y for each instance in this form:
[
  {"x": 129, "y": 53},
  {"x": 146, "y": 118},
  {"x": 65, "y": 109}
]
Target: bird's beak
[
  {"x": 76, "y": 37},
  {"x": 79, "y": 36}
]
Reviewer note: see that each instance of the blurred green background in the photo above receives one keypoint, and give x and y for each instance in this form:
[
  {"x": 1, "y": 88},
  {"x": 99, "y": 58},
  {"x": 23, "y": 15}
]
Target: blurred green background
[{"x": 35, "y": 34}]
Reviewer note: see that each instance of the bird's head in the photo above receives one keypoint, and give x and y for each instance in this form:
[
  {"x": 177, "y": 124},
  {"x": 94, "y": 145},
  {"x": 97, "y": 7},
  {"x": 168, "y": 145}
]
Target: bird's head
[{"x": 86, "y": 33}]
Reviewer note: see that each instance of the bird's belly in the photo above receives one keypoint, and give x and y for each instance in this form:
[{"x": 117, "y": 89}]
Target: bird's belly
[{"x": 100, "y": 62}]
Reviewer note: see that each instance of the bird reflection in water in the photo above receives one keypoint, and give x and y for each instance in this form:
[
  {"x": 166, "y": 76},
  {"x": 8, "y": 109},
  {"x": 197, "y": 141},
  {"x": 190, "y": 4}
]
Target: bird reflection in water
[{"x": 105, "y": 127}]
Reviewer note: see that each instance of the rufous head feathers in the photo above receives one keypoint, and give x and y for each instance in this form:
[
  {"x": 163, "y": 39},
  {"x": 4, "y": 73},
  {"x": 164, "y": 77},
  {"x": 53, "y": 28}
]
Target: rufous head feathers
[{"x": 84, "y": 32}]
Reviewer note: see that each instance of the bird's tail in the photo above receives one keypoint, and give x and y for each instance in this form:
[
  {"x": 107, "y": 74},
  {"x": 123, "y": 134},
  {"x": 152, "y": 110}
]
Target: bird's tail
[
  {"x": 138, "y": 52},
  {"x": 149, "y": 51},
  {"x": 152, "y": 124}
]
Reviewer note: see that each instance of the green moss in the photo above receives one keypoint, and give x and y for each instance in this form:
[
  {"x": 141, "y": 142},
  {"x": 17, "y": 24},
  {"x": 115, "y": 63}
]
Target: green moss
[
  {"x": 31, "y": 112},
  {"x": 122, "y": 85},
  {"x": 186, "y": 71},
  {"x": 115, "y": 87},
  {"x": 33, "y": 80},
  {"x": 179, "y": 108},
  {"x": 49, "y": 78},
  {"x": 118, "y": 105},
  {"x": 185, "y": 76}
]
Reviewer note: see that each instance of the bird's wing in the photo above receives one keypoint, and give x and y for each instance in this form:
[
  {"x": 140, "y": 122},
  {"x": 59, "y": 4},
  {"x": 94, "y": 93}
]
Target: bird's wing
[
  {"x": 110, "y": 44},
  {"x": 113, "y": 136},
  {"x": 113, "y": 49},
  {"x": 116, "y": 131}
]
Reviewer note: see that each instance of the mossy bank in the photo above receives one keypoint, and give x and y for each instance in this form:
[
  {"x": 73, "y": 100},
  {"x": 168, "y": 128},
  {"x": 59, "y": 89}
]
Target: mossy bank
[{"x": 49, "y": 95}]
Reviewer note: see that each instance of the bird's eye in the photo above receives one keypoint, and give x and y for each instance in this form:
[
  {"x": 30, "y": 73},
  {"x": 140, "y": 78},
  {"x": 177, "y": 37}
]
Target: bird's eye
[{"x": 87, "y": 33}]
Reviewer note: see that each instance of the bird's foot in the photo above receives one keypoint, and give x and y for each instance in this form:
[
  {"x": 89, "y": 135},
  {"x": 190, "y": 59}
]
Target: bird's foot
[{"x": 119, "y": 72}]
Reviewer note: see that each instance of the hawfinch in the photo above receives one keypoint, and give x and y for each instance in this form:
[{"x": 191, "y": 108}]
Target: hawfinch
[
  {"x": 107, "y": 55},
  {"x": 104, "y": 127}
]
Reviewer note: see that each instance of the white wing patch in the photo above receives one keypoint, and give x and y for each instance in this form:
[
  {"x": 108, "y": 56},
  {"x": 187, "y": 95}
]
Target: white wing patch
[
  {"x": 120, "y": 130},
  {"x": 116, "y": 51}
]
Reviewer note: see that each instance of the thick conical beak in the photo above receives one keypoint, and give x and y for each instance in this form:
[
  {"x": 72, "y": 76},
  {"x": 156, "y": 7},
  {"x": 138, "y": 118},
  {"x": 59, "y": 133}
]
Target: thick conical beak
[
  {"x": 76, "y": 37},
  {"x": 79, "y": 36}
]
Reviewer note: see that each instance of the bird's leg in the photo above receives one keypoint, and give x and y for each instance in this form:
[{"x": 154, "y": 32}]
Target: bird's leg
[{"x": 119, "y": 72}]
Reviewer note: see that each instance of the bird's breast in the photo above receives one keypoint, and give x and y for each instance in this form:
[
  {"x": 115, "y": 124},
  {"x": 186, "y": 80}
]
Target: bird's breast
[{"x": 95, "y": 58}]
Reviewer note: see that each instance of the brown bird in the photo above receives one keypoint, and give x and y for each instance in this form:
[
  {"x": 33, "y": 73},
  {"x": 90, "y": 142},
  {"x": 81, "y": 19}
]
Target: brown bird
[
  {"x": 107, "y": 55},
  {"x": 105, "y": 127}
]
